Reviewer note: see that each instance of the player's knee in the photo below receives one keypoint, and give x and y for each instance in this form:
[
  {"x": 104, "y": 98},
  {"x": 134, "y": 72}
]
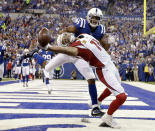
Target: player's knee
[
  {"x": 91, "y": 81},
  {"x": 47, "y": 69},
  {"x": 122, "y": 97}
]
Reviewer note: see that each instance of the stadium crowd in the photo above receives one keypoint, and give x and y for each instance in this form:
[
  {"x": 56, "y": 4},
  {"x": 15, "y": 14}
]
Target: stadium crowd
[
  {"x": 113, "y": 7},
  {"x": 131, "y": 52}
]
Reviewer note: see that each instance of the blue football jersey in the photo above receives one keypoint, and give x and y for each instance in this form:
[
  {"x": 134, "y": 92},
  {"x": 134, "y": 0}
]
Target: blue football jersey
[
  {"x": 83, "y": 26},
  {"x": 26, "y": 62},
  {"x": 2, "y": 50},
  {"x": 47, "y": 54},
  {"x": 17, "y": 62}
]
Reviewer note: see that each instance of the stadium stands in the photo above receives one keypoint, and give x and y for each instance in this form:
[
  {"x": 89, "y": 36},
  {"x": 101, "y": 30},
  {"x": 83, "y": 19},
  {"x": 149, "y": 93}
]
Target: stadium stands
[{"x": 129, "y": 48}]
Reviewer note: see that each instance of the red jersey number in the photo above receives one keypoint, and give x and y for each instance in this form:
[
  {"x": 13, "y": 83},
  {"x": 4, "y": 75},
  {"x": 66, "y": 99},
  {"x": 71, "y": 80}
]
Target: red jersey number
[{"x": 96, "y": 43}]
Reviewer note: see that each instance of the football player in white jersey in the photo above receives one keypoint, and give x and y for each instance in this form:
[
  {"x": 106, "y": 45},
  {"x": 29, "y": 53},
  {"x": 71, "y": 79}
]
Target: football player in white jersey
[
  {"x": 82, "y": 66},
  {"x": 17, "y": 67},
  {"x": 88, "y": 48},
  {"x": 91, "y": 25},
  {"x": 25, "y": 69}
]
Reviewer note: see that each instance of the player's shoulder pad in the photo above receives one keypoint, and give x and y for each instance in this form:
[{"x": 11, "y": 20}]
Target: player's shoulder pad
[
  {"x": 102, "y": 29},
  {"x": 80, "y": 22}
]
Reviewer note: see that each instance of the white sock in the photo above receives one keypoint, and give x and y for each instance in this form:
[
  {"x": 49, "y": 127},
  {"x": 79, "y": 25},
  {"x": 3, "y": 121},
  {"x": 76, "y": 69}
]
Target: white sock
[{"x": 49, "y": 87}]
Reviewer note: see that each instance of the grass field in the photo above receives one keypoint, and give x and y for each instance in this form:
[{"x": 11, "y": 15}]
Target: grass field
[
  {"x": 8, "y": 79},
  {"x": 153, "y": 83}
]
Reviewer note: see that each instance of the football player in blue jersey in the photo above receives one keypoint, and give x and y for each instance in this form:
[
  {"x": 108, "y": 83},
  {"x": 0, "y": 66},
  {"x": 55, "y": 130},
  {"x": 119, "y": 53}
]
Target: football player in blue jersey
[
  {"x": 2, "y": 54},
  {"x": 47, "y": 55},
  {"x": 25, "y": 68},
  {"x": 92, "y": 26}
]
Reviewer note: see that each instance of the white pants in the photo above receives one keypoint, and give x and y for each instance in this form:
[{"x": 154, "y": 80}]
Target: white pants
[
  {"x": 25, "y": 70},
  {"x": 109, "y": 75},
  {"x": 1, "y": 70},
  {"x": 48, "y": 74},
  {"x": 18, "y": 70},
  {"x": 82, "y": 66}
]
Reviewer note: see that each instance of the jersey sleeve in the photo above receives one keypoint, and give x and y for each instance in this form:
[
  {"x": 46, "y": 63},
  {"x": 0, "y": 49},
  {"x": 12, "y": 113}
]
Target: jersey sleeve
[
  {"x": 103, "y": 30},
  {"x": 79, "y": 23}
]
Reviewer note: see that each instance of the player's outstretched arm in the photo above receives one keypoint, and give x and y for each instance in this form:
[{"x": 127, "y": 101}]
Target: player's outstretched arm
[
  {"x": 70, "y": 29},
  {"x": 72, "y": 51}
]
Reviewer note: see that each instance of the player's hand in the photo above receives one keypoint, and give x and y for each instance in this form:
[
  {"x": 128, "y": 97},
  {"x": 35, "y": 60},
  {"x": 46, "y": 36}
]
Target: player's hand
[{"x": 111, "y": 39}]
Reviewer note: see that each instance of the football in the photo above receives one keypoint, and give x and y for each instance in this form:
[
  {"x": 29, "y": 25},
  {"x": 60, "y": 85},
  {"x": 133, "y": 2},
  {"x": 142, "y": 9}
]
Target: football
[{"x": 44, "y": 37}]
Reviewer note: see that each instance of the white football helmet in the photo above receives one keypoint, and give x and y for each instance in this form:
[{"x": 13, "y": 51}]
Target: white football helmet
[
  {"x": 26, "y": 51},
  {"x": 18, "y": 55},
  {"x": 94, "y": 12},
  {"x": 69, "y": 36}
]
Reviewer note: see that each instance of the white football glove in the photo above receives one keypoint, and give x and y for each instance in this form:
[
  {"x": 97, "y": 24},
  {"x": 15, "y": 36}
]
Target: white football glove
[{"x": 111, "y": 39}]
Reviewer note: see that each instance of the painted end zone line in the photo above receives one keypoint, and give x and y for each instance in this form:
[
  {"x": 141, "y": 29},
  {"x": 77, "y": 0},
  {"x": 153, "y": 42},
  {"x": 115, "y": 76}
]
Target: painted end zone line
[{"x": 9, "y": 104}]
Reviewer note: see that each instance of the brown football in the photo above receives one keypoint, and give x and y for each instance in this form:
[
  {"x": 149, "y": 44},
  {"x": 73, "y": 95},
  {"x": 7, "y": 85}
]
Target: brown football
[{"x": 44, "y": 37}]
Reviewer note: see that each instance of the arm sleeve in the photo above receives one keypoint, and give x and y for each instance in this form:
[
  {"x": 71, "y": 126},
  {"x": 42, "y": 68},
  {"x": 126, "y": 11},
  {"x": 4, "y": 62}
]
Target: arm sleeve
[{"x": 79, "y": 23}]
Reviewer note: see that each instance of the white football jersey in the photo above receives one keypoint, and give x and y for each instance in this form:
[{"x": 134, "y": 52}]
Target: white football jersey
[{"x": 90, "y": 49}]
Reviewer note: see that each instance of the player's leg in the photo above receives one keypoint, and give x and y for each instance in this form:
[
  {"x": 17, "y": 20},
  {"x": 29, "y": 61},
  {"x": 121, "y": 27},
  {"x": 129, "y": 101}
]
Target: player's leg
[
  {"x": 19, "y": 73},
  {"x": 27, "y": 75},
  {"x": 84, "y": 68},
  {"x": 55, "y": 62},
  {"x": 107, "y": 92},
  {"x": 58, "y": 60},
  {"x": 24, "y": 74},
  {"x": 16, "y": 73},
  {"x": 50, "y": 77},
  {"x": 33, "y": 73},
  {"x": 108, "y": 77},
  {"x": 30, "y": 72},
  {"x": 1, "y": 71},
  {"x": 46, "y": 74}
]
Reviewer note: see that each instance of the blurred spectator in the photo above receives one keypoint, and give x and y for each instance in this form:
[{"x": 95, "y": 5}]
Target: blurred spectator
[
  {"x": 146, "y": 71},
  {"x": 73, "y": 75},
  {"x": 151, "y": 72},
  {"x": 135, "y": 72},
  {"x": 57, "y": 72},
  {"x": 9, "y": 68},
  {"x": 129, "y": 74}
]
